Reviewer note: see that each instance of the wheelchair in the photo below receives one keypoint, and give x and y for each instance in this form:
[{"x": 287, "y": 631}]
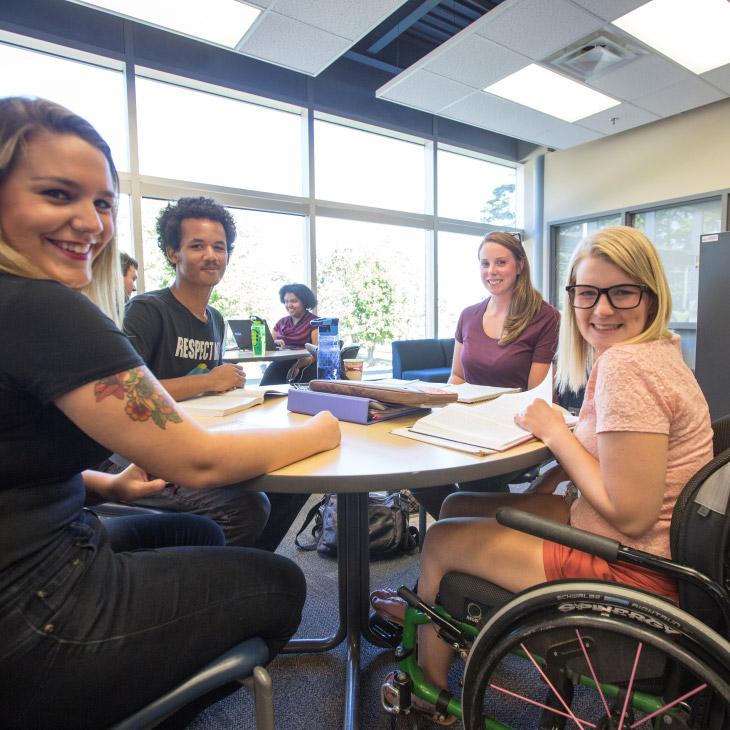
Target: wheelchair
[{"x": 588, "y": 653}]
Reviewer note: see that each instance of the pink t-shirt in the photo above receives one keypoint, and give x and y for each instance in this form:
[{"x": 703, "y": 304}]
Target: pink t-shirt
[{"x": 645, "y": 388}]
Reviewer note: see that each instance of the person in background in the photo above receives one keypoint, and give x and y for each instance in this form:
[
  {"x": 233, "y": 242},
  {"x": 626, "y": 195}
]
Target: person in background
[
  {"x": 293, "y": 331},
  {"x": 507, "y": 340},
  {"x": 89, "y": 634},
  {"x": 180, "y": 337},
  {"x": 643, "y": 431},
  {"x": 130, "y": 272}
]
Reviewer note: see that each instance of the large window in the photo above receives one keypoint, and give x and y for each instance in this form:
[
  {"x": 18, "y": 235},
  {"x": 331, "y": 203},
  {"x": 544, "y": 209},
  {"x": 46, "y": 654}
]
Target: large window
[
  {"x": 31, "y": 73},
  {"x": 194, "y": 135},
  {"x": 459, "y": 280},
  {"x": 354, "y": 166},
  {"x": 373, "y": 278},
  {"x": 477, "y": 190},
  {"x": 567, "y": 237},
  {"x": 676, "y": 231}
]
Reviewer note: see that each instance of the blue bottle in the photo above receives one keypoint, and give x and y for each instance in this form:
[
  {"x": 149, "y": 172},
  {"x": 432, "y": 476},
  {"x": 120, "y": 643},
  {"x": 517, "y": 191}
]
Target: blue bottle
[{"x": 328, "y": 348}]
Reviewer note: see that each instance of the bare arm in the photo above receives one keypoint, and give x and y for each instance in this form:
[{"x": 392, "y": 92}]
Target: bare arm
[
  {"x": 538, "y": 371},
  {"x": 218, "y": 380},
  {"x": 457, "y": 371},
  {"x": 625, "y": 485},
  {"x": 131, "y": 414}
]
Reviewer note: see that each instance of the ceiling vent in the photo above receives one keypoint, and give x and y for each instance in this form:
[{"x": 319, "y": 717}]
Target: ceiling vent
[{"x": 593, "y": 56}]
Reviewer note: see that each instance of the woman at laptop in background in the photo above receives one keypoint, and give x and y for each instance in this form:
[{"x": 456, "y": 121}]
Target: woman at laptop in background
[
  {"x": 507, "y": 340},
  {"x": 643, "y": 431},
  {"x": 293, "y": 331},
  {"x": 87, "y": 633}
]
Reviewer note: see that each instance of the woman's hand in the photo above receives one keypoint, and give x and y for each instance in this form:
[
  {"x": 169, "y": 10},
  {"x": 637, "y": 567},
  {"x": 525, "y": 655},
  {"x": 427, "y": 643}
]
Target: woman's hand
[
  {"x": 541, "y": 420},
  {"x": 128, "y": 485},
  {"x": 279, "y": 343},
  {"x": 327, "y": 429}
]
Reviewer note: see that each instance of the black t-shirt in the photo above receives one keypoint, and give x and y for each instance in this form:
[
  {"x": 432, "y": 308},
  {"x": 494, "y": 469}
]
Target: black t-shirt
[
  {"x": 172, "y": 341},
  {"x": 54, "y": 341}
]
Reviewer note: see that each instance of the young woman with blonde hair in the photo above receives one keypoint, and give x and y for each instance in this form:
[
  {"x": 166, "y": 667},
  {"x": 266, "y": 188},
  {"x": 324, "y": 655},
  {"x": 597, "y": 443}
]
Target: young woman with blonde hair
[
  {"x": 89, "y": 634},
  {"x": 643, "y": 431}
]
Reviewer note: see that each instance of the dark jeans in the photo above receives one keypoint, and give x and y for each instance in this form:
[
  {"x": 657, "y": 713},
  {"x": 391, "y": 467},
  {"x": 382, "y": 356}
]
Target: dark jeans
[
  {"x": 433, "y": 497},
  {"x": 90, "y": 635},
  {"x": 247, "y": 518}
]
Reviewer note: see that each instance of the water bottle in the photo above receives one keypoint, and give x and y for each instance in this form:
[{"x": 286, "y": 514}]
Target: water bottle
[
  {"x": 328, "y": 348},
  {"x": 258, "y": 336}
]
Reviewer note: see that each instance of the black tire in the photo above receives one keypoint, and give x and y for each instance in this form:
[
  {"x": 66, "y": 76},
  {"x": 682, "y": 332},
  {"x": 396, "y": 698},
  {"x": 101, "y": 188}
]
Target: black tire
[{"x": 676, "y": 655}]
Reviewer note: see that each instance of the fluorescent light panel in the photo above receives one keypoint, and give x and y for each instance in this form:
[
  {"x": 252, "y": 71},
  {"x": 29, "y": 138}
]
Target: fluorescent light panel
[
  {"x": 694, "y": 33},
  {"x": 551, "y": 93},
  {"x": 219, "y": 21}
]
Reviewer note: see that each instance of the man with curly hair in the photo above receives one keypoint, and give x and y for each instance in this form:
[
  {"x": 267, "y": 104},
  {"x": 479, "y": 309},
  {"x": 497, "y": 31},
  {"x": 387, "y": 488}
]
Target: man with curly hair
[{"x": 180, "y": 337}]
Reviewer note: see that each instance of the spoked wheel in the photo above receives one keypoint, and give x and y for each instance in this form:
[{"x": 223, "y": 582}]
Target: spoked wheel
[{"x": 584, "y": 668}]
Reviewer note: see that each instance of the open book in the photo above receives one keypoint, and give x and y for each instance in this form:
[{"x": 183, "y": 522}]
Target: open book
[
  {"x": 223, "y": 404},
  {"x": 469, "y": 393},
  {"x": 488, "y": 425}
]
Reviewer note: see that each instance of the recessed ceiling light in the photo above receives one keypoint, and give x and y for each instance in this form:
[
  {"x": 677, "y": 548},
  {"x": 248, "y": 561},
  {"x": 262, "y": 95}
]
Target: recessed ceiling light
[
  {"x": 551, "y": 93},
  {"x": 694, "y": 34},
  {"x": 219, "y": 21}
]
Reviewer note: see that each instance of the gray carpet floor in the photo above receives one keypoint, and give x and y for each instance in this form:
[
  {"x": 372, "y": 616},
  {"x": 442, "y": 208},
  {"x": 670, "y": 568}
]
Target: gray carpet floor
[{"x": 309, "y": 688}]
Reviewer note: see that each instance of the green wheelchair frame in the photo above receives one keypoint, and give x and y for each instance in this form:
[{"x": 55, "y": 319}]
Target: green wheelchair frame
[{"x": 692, "y": 645}]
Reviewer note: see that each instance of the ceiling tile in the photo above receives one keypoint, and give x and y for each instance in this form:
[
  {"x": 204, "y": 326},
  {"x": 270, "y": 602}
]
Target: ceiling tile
[
  {"x": 719, "y": 77},
  {"x": 475, "y": 61},
  {"x": 426, "y": 91},
  {"x": 567, "y": 135},
  {"x": 537, "y": 28},
  {"x": 681, "y": 97},
  {"x": 626, "y": 116},
  {"x": 640, "y": 77},
  {"x": 350, "y": 19},
  {"x": 287, "y": 42},
  {"x": 499, "y": 115},
  {"x": 611, "y": 9}
]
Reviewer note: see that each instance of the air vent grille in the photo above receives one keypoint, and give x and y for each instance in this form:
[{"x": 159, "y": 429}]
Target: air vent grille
[{"x": 593, "y": 56}]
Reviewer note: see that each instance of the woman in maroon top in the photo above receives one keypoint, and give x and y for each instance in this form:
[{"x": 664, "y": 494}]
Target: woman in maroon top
[
  {"x": 508, "y": 340},
  {"x": 294, "y": 330}
]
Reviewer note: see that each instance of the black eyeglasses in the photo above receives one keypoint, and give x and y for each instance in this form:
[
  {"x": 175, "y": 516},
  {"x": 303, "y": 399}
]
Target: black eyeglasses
[{"x": 620, "y": 296}]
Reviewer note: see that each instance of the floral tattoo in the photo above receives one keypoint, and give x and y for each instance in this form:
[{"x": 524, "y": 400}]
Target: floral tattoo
[{"x": 143, "y": 403}]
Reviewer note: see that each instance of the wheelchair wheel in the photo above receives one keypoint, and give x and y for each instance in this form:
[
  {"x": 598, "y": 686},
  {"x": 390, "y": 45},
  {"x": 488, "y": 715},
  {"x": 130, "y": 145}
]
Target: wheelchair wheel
[{"x": 596, "y": 655}]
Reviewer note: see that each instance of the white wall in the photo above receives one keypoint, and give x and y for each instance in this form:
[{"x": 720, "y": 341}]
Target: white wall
[{"x": 685, "y": 155}]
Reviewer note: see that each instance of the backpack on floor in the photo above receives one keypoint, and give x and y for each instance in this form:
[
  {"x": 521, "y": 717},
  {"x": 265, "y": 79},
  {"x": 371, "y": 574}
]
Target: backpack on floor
[{"x": 388, "y": 528}]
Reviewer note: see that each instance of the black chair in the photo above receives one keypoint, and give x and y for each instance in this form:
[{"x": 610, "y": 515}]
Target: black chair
[{"x": 239, "y": 663}]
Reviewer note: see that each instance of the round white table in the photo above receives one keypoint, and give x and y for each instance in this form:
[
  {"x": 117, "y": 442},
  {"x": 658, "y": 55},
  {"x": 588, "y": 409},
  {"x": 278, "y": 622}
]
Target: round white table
[{"x": 370, "y": 458}]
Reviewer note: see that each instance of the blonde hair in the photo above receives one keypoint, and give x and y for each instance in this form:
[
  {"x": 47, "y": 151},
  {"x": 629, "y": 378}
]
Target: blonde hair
[
  {"x": 22, "y": 119},
  {"x": 526, "y": 300},
  {"x": 635, "y": 254}
]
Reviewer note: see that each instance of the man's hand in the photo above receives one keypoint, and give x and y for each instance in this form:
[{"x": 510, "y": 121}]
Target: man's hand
[
  {"x": 132, "y": 484},
  {"x": 225, "y": 377},
  {"x": 279, "y": 343}
]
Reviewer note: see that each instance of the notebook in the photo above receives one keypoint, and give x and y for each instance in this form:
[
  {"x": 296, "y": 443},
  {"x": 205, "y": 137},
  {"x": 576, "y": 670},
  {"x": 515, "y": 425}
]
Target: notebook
[{"x": 241, "y": 330}]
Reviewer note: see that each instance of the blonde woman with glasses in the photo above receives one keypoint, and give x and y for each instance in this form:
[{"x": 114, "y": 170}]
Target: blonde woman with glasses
[{"x": 643, "y": 431}]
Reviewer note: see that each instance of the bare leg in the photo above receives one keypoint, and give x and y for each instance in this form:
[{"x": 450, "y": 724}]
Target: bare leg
[
  {"x": 481, "y": 547},
  {"x": 479, "y": 504}
]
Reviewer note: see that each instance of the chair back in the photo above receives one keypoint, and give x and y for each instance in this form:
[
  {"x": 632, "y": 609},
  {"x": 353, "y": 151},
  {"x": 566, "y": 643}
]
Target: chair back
[
  {"x": 721, "y": 435},
  {"x": 699, "y": 536}
]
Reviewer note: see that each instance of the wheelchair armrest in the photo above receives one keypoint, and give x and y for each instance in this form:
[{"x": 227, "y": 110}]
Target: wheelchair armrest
[{"x": 538, "y": 526}]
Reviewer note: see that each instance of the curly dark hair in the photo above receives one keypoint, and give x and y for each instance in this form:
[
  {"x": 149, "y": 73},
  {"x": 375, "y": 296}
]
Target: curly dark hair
[
  {"x": 302, "y": 292},
  {"x": 171, "y": 218}
]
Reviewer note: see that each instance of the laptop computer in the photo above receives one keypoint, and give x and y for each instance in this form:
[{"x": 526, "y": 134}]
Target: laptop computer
[{"x": 241, "y": 330}]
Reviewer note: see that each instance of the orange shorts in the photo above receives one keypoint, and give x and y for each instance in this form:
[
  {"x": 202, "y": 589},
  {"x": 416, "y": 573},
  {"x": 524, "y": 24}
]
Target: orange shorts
[{"x": 562, "y": 562}]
